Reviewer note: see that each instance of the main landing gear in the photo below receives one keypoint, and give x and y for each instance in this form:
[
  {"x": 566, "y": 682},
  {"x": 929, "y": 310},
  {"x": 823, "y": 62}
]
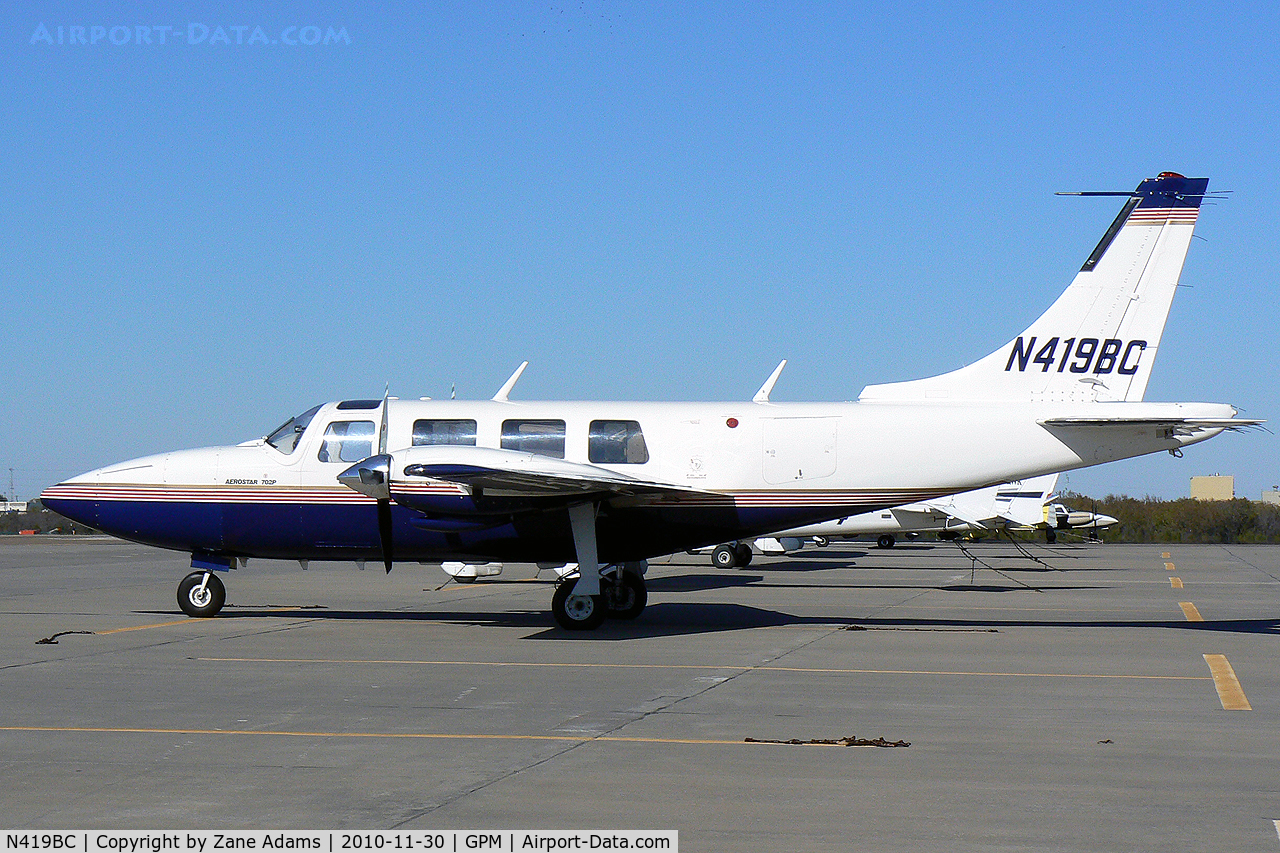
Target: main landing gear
[
  {"x": 623, "y": 595},
  {"x": 728, "y": 556},
  {"x": 201, "y": 594}
]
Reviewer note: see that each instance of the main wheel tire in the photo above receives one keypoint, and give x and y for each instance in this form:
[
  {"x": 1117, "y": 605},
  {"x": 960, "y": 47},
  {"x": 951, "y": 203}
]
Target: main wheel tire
[
  {"x": 744, "y": 555},
  {"x": 885, "y": 541},
  {"x": 821, "y": 541},
  {"x": 628, "y": 597},
  {"x": 577, "y": 612},
  {"x": 201, "y": 603},
  {"x": 724, "y": 557}
]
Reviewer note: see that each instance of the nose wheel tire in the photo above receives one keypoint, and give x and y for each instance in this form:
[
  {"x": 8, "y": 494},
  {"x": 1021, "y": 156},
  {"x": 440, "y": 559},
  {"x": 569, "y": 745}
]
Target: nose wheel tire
[
  {"x": 201, "y": 594},
  {"x": 577, "y": 612}
]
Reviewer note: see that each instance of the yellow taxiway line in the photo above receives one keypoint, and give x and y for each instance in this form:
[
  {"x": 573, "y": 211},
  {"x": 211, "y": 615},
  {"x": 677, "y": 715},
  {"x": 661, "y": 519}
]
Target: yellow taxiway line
[
  {"x": 1176, "y": 583},
  {"x": 145, "y": 627},
  {"x": 1189, "y": 611},
  {"x": 702, "y": 667},
  {"x": 1230, "y": 693},
  {"x": 184, "y": 621},
  {"x": 371, "y": 735}
]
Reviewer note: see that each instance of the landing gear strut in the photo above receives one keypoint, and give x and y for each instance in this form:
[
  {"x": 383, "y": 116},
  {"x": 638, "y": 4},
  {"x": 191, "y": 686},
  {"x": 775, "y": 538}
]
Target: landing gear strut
[
  {"x": 627, "y": 595},
  {"x": 201, "y": 594}
]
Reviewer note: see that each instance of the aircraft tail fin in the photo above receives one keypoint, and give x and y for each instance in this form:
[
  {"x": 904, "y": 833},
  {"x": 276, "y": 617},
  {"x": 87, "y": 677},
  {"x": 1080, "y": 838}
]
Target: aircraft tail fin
[{"x": 1099, "y": 339}]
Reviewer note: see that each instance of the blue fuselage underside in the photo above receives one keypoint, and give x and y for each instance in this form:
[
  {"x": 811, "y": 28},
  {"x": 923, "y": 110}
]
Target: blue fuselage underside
[{"x": 298, "y": 531}]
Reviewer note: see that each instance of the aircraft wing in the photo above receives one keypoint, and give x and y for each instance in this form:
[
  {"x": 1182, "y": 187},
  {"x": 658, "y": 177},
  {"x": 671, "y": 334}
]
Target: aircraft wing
[
  {"x": 426, "y": 478},
  {"x": 518, "y": 473}
]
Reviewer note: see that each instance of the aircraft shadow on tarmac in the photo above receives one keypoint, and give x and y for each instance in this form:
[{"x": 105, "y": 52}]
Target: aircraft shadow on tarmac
[
  {"x": 666, "y": 619},
  {"x": 708, "y": 582}
]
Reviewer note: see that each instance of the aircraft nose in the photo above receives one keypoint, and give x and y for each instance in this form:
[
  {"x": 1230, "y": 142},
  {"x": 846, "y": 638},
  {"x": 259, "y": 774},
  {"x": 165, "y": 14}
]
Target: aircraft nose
[{"x": 370, "y": 477}]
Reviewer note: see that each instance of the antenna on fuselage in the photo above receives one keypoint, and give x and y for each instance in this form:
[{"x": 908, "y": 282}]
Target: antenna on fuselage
[
  {"x": 382, "y": 431},
  {"x": 501, "y": 396},
  {"x": 762, "y": 396}
]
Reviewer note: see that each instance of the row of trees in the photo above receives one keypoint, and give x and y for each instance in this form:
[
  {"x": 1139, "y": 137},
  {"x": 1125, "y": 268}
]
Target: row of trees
[
  {"x": 40, "y": 520},
  {"x": 1184, "y": 520}
]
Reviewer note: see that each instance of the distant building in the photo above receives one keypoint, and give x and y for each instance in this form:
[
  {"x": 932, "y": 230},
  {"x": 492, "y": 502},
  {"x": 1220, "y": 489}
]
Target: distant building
[
  {"x": 1216, "y": 487},
  {"x": 13, "y": 506},
  {"x": 1271, "y": 496}
]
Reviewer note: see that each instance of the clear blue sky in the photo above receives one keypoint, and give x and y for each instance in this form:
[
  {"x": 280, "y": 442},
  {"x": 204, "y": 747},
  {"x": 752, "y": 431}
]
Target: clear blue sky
[{"x": 645, "y": 200}]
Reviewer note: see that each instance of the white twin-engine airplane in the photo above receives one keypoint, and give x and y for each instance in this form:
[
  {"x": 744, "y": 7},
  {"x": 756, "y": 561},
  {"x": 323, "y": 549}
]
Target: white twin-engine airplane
[
  {"x": 1020, "y": 505},
  {"x": 612, "y": 484}
]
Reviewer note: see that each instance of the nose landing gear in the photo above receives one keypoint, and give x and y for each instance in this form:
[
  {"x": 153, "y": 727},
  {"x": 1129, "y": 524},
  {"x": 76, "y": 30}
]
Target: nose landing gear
[{"x": 201, "y": 594}]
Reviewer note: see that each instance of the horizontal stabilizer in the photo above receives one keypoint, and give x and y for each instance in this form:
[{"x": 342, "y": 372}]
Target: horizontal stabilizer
[
  {"x": 1180, "y": 426},
  {"x": 960, "y": 513}
]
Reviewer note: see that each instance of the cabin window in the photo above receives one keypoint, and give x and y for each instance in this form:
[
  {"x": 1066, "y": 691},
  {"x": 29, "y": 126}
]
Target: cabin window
[
  {"x": 546, "y": 438},
  {"x": 426, "y": 433},
  {"x": 285, "y": 437},
  {"x": 347, "y": 441},
  {"x": 616, "y": 443}
]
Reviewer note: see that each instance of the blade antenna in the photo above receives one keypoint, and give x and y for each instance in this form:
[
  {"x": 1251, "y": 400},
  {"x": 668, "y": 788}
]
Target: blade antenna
[
  {"x": 1126, "y": 194},
  {"x": 382, "y": 430},
  {"x": 501, "y": 396},
  {"x": 762, "y": 396}
]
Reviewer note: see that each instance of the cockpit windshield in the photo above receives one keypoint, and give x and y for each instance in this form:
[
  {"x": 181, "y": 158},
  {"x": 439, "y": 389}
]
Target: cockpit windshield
[{"x": 285, "y": 439}]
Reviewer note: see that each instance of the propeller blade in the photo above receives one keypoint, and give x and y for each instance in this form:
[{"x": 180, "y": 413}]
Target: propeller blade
[{"x": 384, "y": 533}]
